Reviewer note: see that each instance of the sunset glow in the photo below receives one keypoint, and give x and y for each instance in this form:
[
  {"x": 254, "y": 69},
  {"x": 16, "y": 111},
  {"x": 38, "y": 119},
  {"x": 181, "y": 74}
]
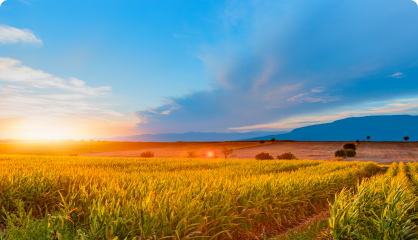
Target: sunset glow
[{"x": 206, "y": 68}]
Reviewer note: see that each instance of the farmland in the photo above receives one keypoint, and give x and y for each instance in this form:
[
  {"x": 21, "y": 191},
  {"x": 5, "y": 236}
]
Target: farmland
[
  {"x": 380, "y": 152},
  {"x": 119, "y": 149},
  {"x": 78, "y": 197},
  {"x": 128, "y": 198}
]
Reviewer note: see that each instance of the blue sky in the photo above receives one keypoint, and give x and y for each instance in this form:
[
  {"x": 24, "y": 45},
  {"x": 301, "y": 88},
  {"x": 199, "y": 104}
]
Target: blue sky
[{"x": 79, "y": 69}]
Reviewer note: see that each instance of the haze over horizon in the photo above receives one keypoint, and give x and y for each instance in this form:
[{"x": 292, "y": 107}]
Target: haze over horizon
[{"x": 79, "y": 69}]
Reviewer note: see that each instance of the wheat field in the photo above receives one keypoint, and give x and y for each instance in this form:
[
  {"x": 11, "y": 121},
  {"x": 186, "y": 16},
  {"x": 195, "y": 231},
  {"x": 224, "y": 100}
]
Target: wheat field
[{"x": 132, "y": 198}]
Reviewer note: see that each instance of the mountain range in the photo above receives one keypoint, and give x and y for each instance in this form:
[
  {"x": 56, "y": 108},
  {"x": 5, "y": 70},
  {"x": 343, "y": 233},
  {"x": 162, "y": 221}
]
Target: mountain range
[
  {"x": 192, "y": 136},
  {"x": 379, "y": 128}
]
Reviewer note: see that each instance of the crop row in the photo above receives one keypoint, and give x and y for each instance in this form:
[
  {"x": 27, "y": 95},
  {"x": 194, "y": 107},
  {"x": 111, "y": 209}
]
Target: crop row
[
  {"x": 383, "y": 207},
  {"x": 116, "y": 198}
]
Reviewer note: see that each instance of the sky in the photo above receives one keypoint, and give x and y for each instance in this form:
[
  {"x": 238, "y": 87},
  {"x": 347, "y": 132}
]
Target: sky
[{"x": 90, "y": 69}]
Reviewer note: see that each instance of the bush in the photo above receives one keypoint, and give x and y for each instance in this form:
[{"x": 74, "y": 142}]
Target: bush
[
  {"x": 349, "y": 146},
  {"x": 147, "y": 154},
  {"x": 192, "y": 154},
  {"x": 273, "y": 140},
  {"x": 357, "y": 141},
  {"x": 340, "y": 153},
  {"x": 262, "y": 142},
  {"x": 287, "y": 155},
  {"x": 350, "y": 152},
  {"x": 264, "y": 156}
]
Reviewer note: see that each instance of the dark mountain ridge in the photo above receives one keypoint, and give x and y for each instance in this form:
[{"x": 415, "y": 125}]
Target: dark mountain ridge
[
  {"x": 379, "y": 128},
  {"x": 192, "y": 136}
]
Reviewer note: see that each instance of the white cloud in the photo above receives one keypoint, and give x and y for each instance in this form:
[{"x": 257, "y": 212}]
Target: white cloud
[
  {"x": 51, "y": 107},
  {"x": 318, "y": 89},
  {"x": 9, "y": 35},
  {"x": 77, "y": 82},
  {"x": 416, "y": 1},
  {"x": 297, "y": 97},
  {"x": 2, "y": 1},
  {"x": 398, "y": 74},
  {"x": 11, "y": 70},
  {"x": 312, "y": 97}
]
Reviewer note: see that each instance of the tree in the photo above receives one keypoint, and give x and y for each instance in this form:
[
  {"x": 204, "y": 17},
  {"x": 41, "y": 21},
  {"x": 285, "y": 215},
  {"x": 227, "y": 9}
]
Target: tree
[
  {"x": 349, "y": 146},
  {"x": 147, "y": 154},
  {"x": 368, "y": 138},
  {"x": 350, "y": 152},
  {"x": 273, "y": 140},
  {"x": 264, "y": 156},
  {"x": 340, "y": 153},
  {"x": 287, "y": 156},
  {"x": 406, "y": 138},
  {"x": 226, "y": 152},
  {"x": 262, "y": 141}
]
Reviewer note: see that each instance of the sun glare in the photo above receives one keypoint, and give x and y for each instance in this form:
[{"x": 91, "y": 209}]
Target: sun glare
[{"x": 33, "y": 132}]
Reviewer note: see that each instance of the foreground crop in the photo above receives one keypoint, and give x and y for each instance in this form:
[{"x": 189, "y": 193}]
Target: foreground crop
[
  {"x": 114, "y": 198},
  {"x": 384, "y": 207}
]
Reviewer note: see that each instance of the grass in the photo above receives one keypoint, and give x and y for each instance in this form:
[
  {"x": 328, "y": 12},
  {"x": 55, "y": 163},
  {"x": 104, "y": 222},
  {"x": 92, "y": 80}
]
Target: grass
[
  {"x": 122, "y": 198},
  {"x": 307, "y": 233}
]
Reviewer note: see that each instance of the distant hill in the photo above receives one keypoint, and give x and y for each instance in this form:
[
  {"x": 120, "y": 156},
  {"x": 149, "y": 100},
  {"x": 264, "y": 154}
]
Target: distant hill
[
  {"x": 379, "y": 128},
  {"x": 192, "y": 137}
]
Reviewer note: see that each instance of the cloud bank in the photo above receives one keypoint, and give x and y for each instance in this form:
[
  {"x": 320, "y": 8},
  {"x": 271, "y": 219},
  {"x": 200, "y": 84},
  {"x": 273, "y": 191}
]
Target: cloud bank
[
  {"x": 11, "y": 35},
  {"x": 296, "y": 57},
  {"x": 38, "y": 103},
  {"x": 12, "y": 71}
]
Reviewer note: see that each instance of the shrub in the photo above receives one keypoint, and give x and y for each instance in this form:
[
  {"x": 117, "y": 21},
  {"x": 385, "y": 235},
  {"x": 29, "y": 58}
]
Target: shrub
[
  {"x": 273, "y": 140},
  {"x": 349, "y": 146},
  {"x": 340, "y": 153},
  {"x": 262, "y": 142},
  {"x": 350, "y": 152},
  {"x": 192, "y": 154},
  {"x": 264, "y": 156},
  {"x": 147, "y": 154},
  {"x": 357, "y": 141},
  {"x": 287, "y": 155},
  {"x": 226, "y": 151}
]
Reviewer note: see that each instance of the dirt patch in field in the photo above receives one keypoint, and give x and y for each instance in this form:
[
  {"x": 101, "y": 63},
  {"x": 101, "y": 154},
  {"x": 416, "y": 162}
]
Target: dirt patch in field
[
  {"x": 380, "y": 152},
  {"x": 302, "y": 150},
  {"x": 387, "y": 152},
  {"x": 180, "y": 150}
]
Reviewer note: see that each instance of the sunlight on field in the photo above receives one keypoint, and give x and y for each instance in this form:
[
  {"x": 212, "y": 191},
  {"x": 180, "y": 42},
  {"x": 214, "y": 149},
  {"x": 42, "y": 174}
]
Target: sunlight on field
[
  {"x": 104, "y": 198},
  {"x": 69, "y": 147}
]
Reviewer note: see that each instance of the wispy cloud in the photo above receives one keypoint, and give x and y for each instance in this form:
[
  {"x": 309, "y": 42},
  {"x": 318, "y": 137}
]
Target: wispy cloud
[
  {"x": 398, "y": 75},
  {"x": 10, "y": 35},
  {"x": 318, "y": 89},
  {"x": 53, "y": 107},
  {"x": 296, "y": 57},
  {"x": 398, "y": 106},
  {"x": 12, "y": 70}
]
